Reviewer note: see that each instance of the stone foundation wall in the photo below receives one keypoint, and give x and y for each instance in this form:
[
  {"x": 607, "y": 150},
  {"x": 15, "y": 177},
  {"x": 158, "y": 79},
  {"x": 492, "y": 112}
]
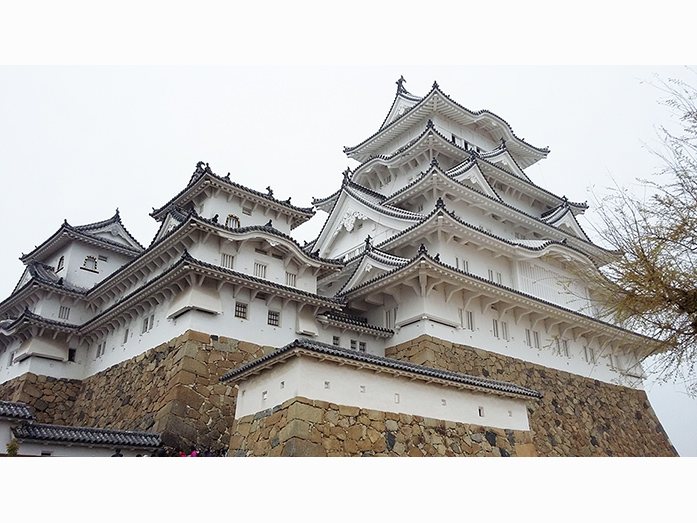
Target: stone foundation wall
[
  {"x": 173, "y": 389},
  {"x": 52, "y": 399},
  {"x": 304, "y": 428},
  {"x": 576, "y": 417}
]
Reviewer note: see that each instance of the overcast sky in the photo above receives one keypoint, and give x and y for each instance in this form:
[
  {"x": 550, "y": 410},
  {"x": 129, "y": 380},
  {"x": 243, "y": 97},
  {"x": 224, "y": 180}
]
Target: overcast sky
[{"x": 76, "y": 142}]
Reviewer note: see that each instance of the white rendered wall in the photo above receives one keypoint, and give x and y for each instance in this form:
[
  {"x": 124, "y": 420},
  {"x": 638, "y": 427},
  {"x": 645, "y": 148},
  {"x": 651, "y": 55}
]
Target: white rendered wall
[{"x": 347, "y": 385}]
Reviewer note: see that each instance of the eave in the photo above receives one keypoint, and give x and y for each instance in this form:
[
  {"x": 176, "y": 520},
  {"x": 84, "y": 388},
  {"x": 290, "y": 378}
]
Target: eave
[{"x": 437, "y": 102}]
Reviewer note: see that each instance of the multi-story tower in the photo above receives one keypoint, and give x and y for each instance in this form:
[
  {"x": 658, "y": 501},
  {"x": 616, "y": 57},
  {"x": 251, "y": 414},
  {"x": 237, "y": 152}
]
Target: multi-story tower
[{"x": 442, "y": 233}]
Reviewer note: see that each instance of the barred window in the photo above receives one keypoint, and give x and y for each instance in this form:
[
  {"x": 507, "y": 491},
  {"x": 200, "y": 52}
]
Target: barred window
[
  {"x": 227, "y": 260},
  {"x": 232, "y": 221},
  {"x": 274, "y": 318},
  {"x": 290, "y": 279},
  {"x": 64, "y": 312},
  {"x": 259, "y": 270},
  {"x": 336, "y": 341},
  {"x": 361, "y": 346},
  {"x": 241, "y": 310}
]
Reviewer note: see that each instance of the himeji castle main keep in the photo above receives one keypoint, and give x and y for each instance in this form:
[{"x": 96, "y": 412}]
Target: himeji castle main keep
[{"x": 436, "y": 313}]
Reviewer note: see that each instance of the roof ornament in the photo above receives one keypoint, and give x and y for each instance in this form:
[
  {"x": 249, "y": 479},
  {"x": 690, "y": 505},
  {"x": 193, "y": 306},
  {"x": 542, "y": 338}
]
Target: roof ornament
[
  {"x": 269, "y": 191},
  {"x": 503, "y": 142},
  {"x": 208, "y": 169},
  {"x": 215, "y": 219},
  {"x": 287, "y": 201},
  {"x": 269, "y": 223},
  {"x": 347, "y": 174},
  {"x": 400, "y": 85},
  {"x": 199, "y": 168},
  {"x": 429, "y": 124},
  {"x": 227, "y": 177},
  {"x": 434, "y": 162},
  {"x": 423, "y": 249},
  {"x": 437, "y": 257},
  {"x": 440, "y": 204},
  {"x": 368, "y": 244},
  {"x": 435, "y": 85}
]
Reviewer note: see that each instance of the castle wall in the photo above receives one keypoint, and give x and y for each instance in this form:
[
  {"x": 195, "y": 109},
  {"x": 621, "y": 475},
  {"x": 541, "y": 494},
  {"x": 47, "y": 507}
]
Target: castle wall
[
  {"x": 577, "y": 416},
  {"x": 307, "y": 428},
  {"x": 173, "y": 389}
]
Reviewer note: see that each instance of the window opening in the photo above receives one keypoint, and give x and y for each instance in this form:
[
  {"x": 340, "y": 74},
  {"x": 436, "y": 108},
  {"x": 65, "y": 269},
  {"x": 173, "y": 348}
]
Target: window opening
[{"x": 241, "y": 310}]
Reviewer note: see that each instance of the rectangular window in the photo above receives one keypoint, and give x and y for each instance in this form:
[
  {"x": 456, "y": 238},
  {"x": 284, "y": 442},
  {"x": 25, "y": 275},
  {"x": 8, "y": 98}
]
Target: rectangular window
[
  {"x": 462, "y": 264},
  {"x": 260, "y": 251},
  {"x": 504, "y": 330},
  {"x": 491, "y": 275},
  {"x": 274, "y": 318},
  {"x": 227, "y": 260},
  {"x": 336, "y": 341},
  {"x": 291, "y": 279},
  {"x": 71, "y": 354},
  {"x": 259, "y": 270},
  {"x": 466, "y": 319},
  {"x": 145, "y": 325},
  {"x": 354, "y": 344},
  {"x": 64, "y": 312},
  {"x": 247, "y": 211},
  {"x": 125, "y": 336},
  {"x": 391, "y": 318},
  {"x": 361, "y": 346},
  {"x": 241, "y": 310},
  {"x": 101, "y": 257},
  {"x": 12, "y": 357},
  {"x": 528, "y": 338},
  {"x": 101, "y": 349},
  {"x": 590, "y": 355},
  {"x": 495, "y": 328}
]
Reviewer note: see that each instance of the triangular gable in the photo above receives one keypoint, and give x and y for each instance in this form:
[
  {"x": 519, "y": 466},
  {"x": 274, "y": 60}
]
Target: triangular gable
[
  {"x": 368, "y": 268},
  {"x": 503, "y": 159},
  {"x": 114, "y": 232},
  {"x": 349, "y": 212},
  {"x": 168, "y": 224},
  {"x": 470, "y": 175},
  {"x": 26, "y": 277},
  {"x": 565, "y": 220},
  {"x": 400, "y": 106}
]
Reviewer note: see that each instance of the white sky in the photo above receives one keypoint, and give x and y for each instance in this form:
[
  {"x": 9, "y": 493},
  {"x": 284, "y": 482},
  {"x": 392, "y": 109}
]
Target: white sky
[{"x": 76, "y": 142}]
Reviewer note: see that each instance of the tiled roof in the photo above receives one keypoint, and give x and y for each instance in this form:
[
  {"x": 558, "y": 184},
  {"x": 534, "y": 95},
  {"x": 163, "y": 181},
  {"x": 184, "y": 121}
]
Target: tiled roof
[
  {"x": 436, "y": 89},
  {"x": 388, "y": 363},
  {"x": 85, "y": 232},
  {"x": 201, "y": 171},
  {"x": 9, "y": 409},
  {"x": 86, "y": 435},
  {"x": 350, "y": 319}
]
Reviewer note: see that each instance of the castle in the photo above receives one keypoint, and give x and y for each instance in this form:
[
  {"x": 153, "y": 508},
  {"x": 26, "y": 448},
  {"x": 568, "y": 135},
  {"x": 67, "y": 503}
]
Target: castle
[{"x": 436, "y": 313}]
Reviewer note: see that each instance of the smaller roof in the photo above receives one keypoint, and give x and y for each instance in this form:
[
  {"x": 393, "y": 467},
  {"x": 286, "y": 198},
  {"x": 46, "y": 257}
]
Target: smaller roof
[
  {"x": 15, "y": 411},
  {"x": 315, "y": 348},
  {"x": 93, "y": 233},
  {"x": 86, "y": 436}
]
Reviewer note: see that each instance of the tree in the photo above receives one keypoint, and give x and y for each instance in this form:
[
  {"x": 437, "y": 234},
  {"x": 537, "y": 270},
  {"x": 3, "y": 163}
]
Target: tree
[{"x": 650, "y": 286}]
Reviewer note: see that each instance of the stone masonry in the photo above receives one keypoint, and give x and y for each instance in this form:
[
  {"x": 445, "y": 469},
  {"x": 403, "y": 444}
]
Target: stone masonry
[
  {"x": 173, "y": 389},
  {"x": 576, "y": 416},
  {"x": 310, "y": 428}
]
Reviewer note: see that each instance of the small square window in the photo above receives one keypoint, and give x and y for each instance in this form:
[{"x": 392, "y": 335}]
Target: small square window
[
  {"x": 241, "y": 310},
  {"x": 274, "y": 318},
  {"x": 362, "y": 389},
  {"x": 64, "y": 312},
  {"x": 361, "y": 346},
  {"x": 354, "y": 344},
  {"x": 327, "y": 385},
  {"x": 336, "y": 341}
]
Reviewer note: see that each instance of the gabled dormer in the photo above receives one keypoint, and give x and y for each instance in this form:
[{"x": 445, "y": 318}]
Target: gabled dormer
[
  {"x": 224, "y": 201},
  {"x": 84, "y": 255}
]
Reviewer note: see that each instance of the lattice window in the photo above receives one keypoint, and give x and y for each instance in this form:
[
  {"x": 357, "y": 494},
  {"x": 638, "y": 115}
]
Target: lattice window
[
  {"x": 241, "y": 310},
  {"x": 291, "y": 279},
  {"x": 274, "y": 318}
]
